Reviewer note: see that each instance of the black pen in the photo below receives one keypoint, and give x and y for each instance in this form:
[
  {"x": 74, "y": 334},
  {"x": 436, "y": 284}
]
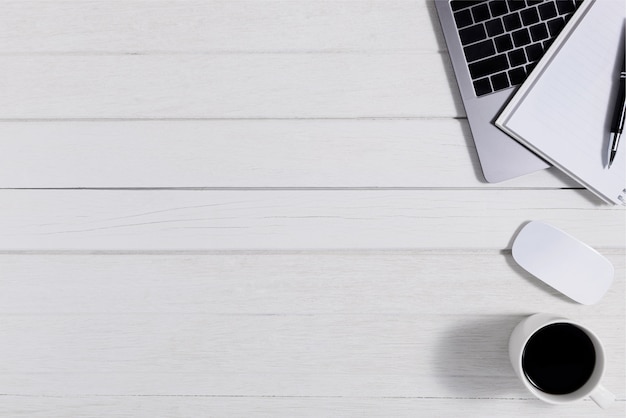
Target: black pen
[{"x": 618, "y": 117}]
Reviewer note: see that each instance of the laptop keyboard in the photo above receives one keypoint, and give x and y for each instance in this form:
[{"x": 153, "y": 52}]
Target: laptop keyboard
[{"x": 503, "y": 40}]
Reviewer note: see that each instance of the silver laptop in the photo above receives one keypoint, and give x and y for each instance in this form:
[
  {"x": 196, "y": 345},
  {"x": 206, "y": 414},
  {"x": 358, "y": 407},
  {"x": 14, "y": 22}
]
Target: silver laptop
[{"x": 493, "y": 45}]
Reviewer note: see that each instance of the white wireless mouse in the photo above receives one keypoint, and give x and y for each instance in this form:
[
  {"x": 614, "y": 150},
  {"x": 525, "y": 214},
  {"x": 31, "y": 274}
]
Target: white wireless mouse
[{"x": 563, "y": 262}]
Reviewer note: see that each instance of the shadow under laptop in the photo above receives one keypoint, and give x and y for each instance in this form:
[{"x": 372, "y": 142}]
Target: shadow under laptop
[
  {"x": 445, "y": 59},
  {"x": 454, "y": 90}
]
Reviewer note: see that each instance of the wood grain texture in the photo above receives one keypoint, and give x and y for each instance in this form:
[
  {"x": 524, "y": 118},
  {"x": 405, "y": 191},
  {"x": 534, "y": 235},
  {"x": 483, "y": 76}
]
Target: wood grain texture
[
  {"x": 359, "y": 324},
  {"x": 191, "y": 59},
  {"x": 157, "y": 27},
  {"x": 322, "y": 85},
  {"x": 249, "y": 153},
  {"x": 193, "y": 406},
  {"x": 271, "y": 125},
  {"x": 295, "y": 219}
]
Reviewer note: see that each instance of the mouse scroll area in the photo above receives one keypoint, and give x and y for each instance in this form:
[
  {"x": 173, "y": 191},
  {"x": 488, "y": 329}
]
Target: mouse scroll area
[{"x": 563, "y": 262}]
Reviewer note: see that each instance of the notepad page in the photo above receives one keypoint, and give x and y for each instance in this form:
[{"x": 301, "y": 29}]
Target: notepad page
[{"x": 564, "y": 110}]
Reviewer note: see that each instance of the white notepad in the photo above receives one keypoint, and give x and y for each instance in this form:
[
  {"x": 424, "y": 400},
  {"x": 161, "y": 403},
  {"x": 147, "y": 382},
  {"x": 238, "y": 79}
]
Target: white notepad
[{"x": 564, "y": 109}]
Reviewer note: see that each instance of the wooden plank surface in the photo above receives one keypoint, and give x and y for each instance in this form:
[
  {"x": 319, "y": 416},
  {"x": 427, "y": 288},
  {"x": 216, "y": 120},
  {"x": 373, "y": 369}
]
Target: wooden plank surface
[
  {"x": 295, "y": 219},
  {"x": 244, "y": 59},
  {"x": 300, "y": 26},
  {"x": 249, "y": 153},
  {"x": 355, "y": 326},
  {"x": 193, "y": 406},
  {"x": 215, "y": 133},
  {"x": 270, "y": 85}
]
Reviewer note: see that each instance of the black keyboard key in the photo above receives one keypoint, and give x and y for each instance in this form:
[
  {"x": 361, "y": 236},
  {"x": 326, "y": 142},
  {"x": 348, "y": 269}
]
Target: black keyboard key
[
  {"x": 517, "y": 57},
  {"x": 529, "y": 16},
  {"x": 516, "y": 5},
  {"x": 462, "y": 4},
  {"x": 567, "y": 17},
  {"x": 494, "y": 27},
  {"x": 498, "y": 8},
  {"x": 546, "y": 44},
  {"x": 481, "y": 13},
  {"x": 472, "y": 34},
  {"x": 488, "y": 66},
  {"x": 565, "y": 6},
  {"x": 530, "y": 67},
  {"x": 482, "y": 87},
  {"x": 503, "y": 43},
  {"x": 539, "y": 32},
  {"x": 479, "y": 50},
  {"x": 512, "y": 22},
  {"x": 521, "y": 37},
  {"x": 555, "y": 26},
  {"x": 533, "y": 2},
  {"x": 463, "y": 18},
  {"x": 517, "y": 76},
  {"x": 499, "y": 81},
  {"x": 547, "y": 11},
  {"x": 534, "y": 52}
]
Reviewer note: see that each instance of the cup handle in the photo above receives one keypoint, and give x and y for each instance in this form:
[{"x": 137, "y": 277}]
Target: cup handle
[{"x": 602, "y": 397}]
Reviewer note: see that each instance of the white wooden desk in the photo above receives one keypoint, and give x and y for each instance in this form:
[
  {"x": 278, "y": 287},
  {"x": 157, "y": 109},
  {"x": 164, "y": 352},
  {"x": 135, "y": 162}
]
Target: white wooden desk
[{"x": 263, "y": 208}]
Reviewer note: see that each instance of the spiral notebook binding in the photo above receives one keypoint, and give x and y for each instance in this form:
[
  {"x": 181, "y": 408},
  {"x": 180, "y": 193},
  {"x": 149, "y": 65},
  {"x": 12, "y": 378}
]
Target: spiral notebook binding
[{"x": 622, "y": 197}]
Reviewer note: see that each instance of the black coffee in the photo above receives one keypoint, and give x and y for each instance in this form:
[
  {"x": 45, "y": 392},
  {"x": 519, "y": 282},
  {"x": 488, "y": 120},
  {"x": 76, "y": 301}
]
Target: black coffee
[{"x": 559, "y": 358}]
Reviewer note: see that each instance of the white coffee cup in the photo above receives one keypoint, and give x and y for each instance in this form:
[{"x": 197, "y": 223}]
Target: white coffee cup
[{"x": 592, "y": 388}]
